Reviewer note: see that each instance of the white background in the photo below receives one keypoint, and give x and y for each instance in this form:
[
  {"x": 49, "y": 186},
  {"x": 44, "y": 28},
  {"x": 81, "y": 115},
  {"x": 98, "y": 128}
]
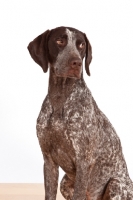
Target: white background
[{"x": 23, "y": 85}]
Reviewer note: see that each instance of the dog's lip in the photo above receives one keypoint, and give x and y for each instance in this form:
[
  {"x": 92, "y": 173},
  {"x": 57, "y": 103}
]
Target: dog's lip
[{"x": 68, "y": 76}]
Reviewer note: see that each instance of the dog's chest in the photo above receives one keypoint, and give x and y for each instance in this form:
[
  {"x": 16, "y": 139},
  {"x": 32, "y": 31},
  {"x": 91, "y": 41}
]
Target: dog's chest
[
  {"x": 62, "y": 137},
  {"x": 55, "y": 138}
]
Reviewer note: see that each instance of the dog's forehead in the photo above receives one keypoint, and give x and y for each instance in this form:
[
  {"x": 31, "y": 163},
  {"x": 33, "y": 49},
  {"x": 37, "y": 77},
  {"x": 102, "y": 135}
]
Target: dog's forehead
[
  {"x": 71, "y": 33},
  {"x": 74, "y": 32}
]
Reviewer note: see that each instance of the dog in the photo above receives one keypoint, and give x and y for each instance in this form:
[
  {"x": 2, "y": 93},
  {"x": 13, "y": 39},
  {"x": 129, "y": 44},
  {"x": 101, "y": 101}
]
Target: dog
[{"x": 73, "y": 132}]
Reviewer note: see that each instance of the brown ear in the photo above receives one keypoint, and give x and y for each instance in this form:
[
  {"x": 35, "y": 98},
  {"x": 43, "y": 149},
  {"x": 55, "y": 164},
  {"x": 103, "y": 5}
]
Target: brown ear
[
  {"x": 39, "y": 51},
  {"x": 88, "y": 56}
]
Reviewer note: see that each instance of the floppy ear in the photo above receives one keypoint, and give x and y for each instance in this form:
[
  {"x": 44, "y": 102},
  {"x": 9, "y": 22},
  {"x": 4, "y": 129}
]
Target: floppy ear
[
  {"x": 88, "y": 56},
  {"x": 39, "y": 50}
]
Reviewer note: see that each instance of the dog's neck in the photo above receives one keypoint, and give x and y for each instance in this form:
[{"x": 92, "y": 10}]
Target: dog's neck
[{"x": 59, "y": 90}]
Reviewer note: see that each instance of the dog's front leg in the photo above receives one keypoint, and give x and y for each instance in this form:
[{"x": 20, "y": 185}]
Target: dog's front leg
[
  {"x": 50, "y": 178},
  {"x": 81, "y": 182}
]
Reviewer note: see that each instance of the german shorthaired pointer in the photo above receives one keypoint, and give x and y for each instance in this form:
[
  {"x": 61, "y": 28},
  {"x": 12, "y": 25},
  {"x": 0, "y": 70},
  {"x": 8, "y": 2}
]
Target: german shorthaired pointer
[{"x": 73, "y": 132}]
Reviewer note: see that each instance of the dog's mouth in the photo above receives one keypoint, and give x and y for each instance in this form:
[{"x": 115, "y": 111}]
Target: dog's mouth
[
  {"x": 68, "y": 76},
  {"x": 71, "y": 73}
]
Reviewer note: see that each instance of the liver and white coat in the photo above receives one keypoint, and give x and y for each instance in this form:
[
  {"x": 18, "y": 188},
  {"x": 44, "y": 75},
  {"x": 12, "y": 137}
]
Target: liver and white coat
[{"x": 73, "y": 132}]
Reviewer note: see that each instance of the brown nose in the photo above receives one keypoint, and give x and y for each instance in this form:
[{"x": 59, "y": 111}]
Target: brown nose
[{"x": 75, "y": 63}]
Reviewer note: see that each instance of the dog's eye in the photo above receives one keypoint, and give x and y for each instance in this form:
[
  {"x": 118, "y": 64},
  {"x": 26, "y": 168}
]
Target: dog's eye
[
  {"x": 82, "y": 45},
  {"x": 60, "y": 41}
]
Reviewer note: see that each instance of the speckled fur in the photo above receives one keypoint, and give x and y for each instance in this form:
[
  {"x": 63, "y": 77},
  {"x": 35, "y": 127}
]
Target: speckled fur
[{"x": 74, "y": 134}]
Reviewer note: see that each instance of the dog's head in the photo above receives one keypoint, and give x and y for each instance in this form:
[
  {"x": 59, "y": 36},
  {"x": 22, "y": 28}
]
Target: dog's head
[{"x": 64, "y": 48}]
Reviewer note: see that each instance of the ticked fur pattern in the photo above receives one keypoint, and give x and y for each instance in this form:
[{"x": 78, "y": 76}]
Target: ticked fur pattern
[
  {"x": 84, "y": 143},
  {"x": 74, "y": 133}
]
